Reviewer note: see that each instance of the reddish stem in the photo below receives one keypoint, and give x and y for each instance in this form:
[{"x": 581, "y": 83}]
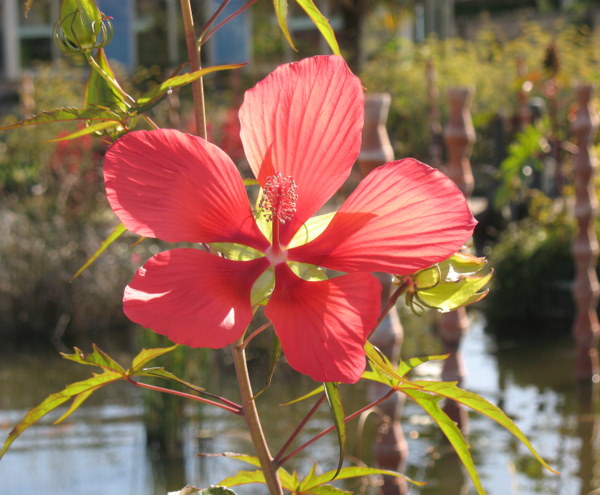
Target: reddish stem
[
  {"x": 236, "y": 410},
  {"x": 204, "y": 38}
]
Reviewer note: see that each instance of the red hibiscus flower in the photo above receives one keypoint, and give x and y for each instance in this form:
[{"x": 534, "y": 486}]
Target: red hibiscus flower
[{"x": 301, "y": 130}]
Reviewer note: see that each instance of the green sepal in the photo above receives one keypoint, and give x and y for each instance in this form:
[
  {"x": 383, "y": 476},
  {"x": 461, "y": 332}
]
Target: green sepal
[
  {"x": 334, "y": 398},
  {"x": 449, "y": 296},
  {"x": 236, "y": 252},
  {"x": 98, "y": 93},
  {"x": 313, "y": 228},
  {"x": 80, "y": 22},
  {"x": 263, "y": 287}
]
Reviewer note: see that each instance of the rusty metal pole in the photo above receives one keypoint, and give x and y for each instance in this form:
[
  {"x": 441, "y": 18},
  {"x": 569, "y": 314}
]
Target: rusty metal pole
[
  {"x": 390, "y": 449},
  {"x": 459, "y": 136},
  {"x": 586, "y": 328}
]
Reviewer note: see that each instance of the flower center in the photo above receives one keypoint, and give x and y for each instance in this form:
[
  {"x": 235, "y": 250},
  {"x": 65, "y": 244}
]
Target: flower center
[{"x": 279, "y": 198}]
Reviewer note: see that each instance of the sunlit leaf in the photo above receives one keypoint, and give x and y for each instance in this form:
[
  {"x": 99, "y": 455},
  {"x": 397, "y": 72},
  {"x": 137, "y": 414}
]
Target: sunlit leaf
[
  {"x": 117, "y": 232},
  {"x": 100, "y": 126},
  {"x": 350, "y": 472},
  {"x": 237, "y": 252},
  {"x": 430, "y": 403},
  {"x": 263, "y": 287},
  {"x": 281, "y": 12},
  {"x": 287, "y": 480},
  {"x": 312, "y": 393},
  {"x": 322, "y": 24},
  {"x": 428, "y": 278},
  {"x": 147, "y": 355},
  {"x": 96, "y": 358},
  {"x": 451, "y": 391},
  {"x": 181, "y": 80},
  {"x": 82, "y": 388},
  {"x": 167, "y": 375},
  {"x": 66, "y": 114},
  {"x": 405, "y": 366},
  {"x": 326, "y": 490},
  {"x": 465, "y": 264},
  {"x": 306, "y": 271},
  {"x": 332, "y": 390}
]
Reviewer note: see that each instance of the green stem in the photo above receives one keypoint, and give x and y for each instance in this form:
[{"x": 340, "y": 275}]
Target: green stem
[
  {"x": 250, "y": 414},
  {"x": 194, "y": 58}
]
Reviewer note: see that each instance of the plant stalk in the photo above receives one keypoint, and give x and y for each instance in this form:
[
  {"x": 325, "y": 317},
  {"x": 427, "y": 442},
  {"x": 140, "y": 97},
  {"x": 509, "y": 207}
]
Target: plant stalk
[
  {"x": 194, "y": 58},
  {"x": 250, "y": 414}
]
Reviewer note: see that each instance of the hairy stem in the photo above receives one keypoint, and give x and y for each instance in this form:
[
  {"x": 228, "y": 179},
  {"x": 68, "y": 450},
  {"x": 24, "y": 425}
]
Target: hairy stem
[
  {"x": 194, "y": 58},
  {"x": 250, "y": 414}
]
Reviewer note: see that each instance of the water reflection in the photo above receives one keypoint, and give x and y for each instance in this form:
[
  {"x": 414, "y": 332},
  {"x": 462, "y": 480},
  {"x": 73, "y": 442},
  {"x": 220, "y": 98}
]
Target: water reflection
[{"x": 102, "y": 448}]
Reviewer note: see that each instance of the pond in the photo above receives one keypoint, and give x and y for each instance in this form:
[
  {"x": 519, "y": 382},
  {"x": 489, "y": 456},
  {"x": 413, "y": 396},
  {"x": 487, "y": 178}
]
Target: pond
[{"x": 102, "y": 450}]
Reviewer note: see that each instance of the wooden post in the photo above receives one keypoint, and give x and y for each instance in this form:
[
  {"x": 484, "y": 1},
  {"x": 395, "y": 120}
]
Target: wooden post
[
  {"x": 390, "y": 449},
  {"x": 459, "y": 136},
  {"x": 586, "y": 328}
]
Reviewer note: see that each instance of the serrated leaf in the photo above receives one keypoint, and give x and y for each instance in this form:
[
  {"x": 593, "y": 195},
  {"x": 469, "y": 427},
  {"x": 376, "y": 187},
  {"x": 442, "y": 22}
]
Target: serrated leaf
[
  {"x": 449, "y": 296},
  {"x": 281, "y": 13},
  {"x": 96, "y": 358},
  {"x": 430, "y": 405},
  {"x": 100, "y": 126},
  {"x": 405, "y": 366},
  {"x": 66, "y": 114},
  {"x": 326, "y": 490},
  {"x": 117, "y": 232},
  {"x": 82, "y": 388},
  {"x": 332, "y": 391},
  {"x": 312, "y": 393},
  {"x": 473, "y": 401},
  {"x": 321, "y": 23},
  {"x": 244, "y": 478},
  {"x": 181, "y": 80},
  {"x": 288, "y": 481},
  {"x": 350, "y": 472},
  {"x": 147, "y": 355}
]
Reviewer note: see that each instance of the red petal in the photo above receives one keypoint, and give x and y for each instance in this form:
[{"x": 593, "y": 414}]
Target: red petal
[
  {"x": 323, "y": 326},
  {"x": 192, "y": 297},
  {"x": 304, "y": 120},
  {"x": 178, "y": 187},
  {"x": 404, "y": 216}
]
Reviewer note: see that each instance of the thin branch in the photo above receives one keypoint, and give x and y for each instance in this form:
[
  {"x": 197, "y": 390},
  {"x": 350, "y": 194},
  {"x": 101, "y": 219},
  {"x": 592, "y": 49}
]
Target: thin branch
[
  {"x": 212, "y": 19},
  {"x": 298, "y": 429},
  {"x": 332, "y": 427},
  {"x": 254, "y": 334},
  {"x": 194, "y": 58},
  {"x": 236, "y": 410},
  {"x": 205, "y": 37}
]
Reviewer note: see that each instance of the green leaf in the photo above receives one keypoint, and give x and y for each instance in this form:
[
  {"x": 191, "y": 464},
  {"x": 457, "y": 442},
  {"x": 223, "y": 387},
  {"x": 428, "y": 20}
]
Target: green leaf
[
  {"x": 147, "y": 355},
  {"x": 263, "y": 287},
  {"x": 244, "y": 478},
  {"x": 117, "y": 232},
  {"x": 100, "y": 126},
  {"x": 322, "y": 24},
  {"x": 332, "y": 390},
  {"x": 326, "y": 490},
  {"x": 96, "y": 358},
  {"x": 449, "y": 296},
  {"x": 306, "y": 271},
  {"x": 350, "y": 472},
  {"x": 379, "y": 362},
  {"x": 430, "y": 404},
  {"x": 66, "y": 114},
  {"x": 281, "y": 12},
  {"x": 405, "y": 366},
  {"x": 181, "y": 80},
  {"x": 451, "y": 391},
  {"x": 213, "y": 490},
  {"x": 312, "y": 393},
  {"x": 79, "y": 390},
  {"x": 236, "y": 252},
  {"x": 287, "y": 480}
]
